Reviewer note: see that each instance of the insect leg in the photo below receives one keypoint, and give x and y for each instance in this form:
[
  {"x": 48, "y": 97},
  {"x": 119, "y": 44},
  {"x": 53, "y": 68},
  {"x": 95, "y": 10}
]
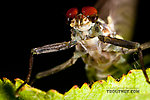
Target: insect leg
[
  {"x": 142, "y": 46},
  {"x": 29, "y": 73},
  {"x": 58, "y": 68},
  {"x": 142, "y": 64},
  {"x": 129, "y": 45},
  {"x": 53, "y": 47},
  {"x": 48, "y": 49},
  {"x": 119, "y": 42},
  {"x": 45, "y": 49}
]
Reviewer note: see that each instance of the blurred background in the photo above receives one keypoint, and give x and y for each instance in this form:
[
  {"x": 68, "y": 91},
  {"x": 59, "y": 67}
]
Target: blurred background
[{"x": 26, "y": 25}]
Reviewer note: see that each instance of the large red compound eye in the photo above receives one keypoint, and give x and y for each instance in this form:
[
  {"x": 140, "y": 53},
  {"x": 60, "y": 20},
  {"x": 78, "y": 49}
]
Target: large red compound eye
[
  {"x": 72, "y": 12},
  {"x": 88, "y": 11}
]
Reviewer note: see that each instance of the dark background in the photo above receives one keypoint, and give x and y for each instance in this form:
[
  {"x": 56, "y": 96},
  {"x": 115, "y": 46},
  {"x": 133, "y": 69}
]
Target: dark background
[{"x": 26, "y": 25}]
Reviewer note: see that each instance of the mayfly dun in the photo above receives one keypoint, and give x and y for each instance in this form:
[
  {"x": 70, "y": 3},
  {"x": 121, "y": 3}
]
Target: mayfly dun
[{"x": 95, "y": 41}]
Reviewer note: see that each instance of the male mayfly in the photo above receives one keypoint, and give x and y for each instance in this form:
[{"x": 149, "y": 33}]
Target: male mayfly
[{"x": 95, "y": 41}]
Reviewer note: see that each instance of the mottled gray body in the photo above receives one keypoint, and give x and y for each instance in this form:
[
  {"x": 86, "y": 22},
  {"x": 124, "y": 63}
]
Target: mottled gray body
[{"x": 97, "y": 55}]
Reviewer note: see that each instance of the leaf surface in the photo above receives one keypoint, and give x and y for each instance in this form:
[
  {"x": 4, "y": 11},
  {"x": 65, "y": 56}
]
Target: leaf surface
[{"x": 131, "y": 86}]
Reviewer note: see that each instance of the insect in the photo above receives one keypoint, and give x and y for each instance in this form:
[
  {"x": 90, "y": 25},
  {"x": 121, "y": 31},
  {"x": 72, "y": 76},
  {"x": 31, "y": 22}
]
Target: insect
[{"x": 95, "y": 41}]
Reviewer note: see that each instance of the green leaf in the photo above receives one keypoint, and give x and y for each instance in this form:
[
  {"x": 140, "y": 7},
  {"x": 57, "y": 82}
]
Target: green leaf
[
  {"x": 131, "y": 86},
  {"x": 7, "y": 91}
]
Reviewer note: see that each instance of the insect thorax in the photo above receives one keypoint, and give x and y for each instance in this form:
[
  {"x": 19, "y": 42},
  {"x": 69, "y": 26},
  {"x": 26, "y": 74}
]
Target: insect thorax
[{"x": 97, "y": 55}]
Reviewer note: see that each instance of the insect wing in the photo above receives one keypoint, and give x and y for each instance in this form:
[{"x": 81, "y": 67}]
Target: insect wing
[{"x": 122, "y": 12}]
